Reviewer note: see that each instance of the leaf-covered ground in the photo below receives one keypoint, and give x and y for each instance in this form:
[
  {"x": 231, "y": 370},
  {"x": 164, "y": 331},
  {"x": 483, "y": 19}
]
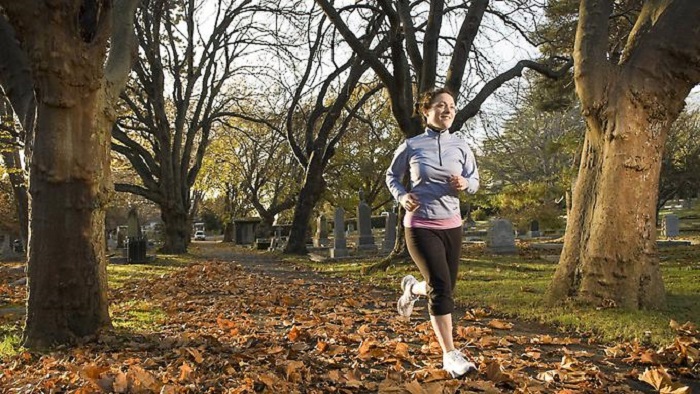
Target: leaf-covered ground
[{"x": 239, "y": 323}]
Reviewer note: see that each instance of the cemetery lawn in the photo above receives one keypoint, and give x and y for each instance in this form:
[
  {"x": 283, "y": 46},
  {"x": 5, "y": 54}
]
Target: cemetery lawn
[
  {"x": 515, "y": 286},
  {"x": 136, "y": 315}
]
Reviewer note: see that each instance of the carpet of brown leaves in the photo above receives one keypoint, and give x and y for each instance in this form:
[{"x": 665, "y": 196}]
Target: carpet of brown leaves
[{"x": 233, "y": 329}]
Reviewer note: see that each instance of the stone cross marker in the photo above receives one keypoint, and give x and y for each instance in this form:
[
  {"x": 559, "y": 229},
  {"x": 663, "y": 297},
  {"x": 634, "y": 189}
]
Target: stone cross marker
[
  {"x": 320, "y": 239},
  {"x": 340, "y": 246},
  {"x": 670, "y": 226},
  {"x": 364, "y": 224},
  {"x": 389, "y": 233},
  {"x": 500, "y": 238}
]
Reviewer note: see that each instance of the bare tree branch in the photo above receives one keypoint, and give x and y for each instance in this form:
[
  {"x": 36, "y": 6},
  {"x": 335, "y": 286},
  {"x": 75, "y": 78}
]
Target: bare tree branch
[{"x": 471, "y": 109}]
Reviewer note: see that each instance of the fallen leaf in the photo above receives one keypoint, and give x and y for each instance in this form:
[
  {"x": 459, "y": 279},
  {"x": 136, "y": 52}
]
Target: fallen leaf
[
  {"x": 121, "y": 383},
  {"x": 321, "y": 346},
  {"x": 185, "y": 372},
  {"x": 401, "y": 350},
  {"x": 500, "y": 324},
  {"x": 195, "y": 354},
  {"x": 660, "y": 380},
  {"x": 414, "y": 387}
]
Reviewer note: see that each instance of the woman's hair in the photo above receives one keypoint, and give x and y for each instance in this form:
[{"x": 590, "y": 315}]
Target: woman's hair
[{"x": 426, "y": 99}]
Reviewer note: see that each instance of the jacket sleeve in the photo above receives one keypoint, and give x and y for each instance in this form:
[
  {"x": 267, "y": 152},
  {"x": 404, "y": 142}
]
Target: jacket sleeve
[
  {"x": 471, "y": 172},
  {"x": 397, "y": 170}
]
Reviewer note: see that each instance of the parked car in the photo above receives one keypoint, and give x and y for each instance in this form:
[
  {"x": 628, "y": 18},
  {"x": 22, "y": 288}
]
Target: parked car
[{"x": 199, "y": 236}]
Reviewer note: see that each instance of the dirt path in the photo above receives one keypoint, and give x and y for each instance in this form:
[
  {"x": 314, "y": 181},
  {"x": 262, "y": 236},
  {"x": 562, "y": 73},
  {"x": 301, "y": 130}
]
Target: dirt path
[{"x": 542, "y": 350}]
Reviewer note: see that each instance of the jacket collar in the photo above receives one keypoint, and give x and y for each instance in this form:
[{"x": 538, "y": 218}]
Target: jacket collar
[{"x": 429, "y": 131}]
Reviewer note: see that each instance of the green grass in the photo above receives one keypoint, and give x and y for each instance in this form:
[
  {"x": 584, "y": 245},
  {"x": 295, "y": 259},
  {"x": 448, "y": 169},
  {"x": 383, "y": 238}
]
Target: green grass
[
  {"x": 128, "y": 316},
  {"x": 119, "y": 274},
  {"x": 137, "y": 316},
  {"x": 10, "y": 336},
  {"x": 515, "y": 286}
]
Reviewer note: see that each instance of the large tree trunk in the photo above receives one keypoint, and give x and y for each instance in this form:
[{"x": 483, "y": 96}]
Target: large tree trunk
[
  {"x": 177, "y": 230},
  {"x": 66, "y": 46},
  {"x": 610, "y": 254},
  {"x": 67, "y": 262},
  {"x": 310, "y": 194}
]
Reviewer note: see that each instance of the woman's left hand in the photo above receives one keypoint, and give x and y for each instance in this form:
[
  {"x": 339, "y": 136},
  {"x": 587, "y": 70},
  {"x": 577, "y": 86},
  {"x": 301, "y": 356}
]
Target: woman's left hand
[{"x": 458, "y": 182}]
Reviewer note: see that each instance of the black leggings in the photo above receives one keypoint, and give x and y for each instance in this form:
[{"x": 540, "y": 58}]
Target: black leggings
[{"x": 436, "y": 253}]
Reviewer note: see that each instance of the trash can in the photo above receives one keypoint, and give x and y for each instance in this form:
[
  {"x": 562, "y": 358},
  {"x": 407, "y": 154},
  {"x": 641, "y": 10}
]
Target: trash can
[{"x": 136, "y": 250}]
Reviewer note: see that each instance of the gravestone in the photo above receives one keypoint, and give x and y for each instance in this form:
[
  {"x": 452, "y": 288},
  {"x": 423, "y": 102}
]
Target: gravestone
[
  {"x": 534, "y": 229},
  {"x": 364, "y": 224},
  {"x": 670, "y": 226},
  {"x": 389, "y": 232},
  {"x": 340, "y": 246},
  {"x": 320, "y": 239},
  {"x": 136, "y": 242},
  {"x": 500, "y": 238}
]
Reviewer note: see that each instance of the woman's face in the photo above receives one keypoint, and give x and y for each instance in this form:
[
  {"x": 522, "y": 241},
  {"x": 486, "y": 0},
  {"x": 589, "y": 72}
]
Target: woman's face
[{"x": 441, "y": 113}]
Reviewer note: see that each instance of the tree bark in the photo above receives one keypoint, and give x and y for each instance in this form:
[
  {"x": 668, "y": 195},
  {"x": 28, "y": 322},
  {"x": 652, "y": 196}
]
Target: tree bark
[
  {"x": 177, "y": 227},
  {"x": 610, "y": 253},
  {"x": 69, "y": 184},
  {"x": 610, "y": 256},
  {"x": 309, "y": 196},
  {"x": 67, "y": 262}
]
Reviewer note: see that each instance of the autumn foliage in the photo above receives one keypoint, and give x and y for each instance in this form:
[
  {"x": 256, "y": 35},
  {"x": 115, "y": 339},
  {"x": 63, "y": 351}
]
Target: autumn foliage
[{"x": 250, "y": 323}]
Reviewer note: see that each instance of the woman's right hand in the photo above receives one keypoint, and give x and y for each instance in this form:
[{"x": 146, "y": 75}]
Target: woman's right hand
[{"x": 409, "y": 202}]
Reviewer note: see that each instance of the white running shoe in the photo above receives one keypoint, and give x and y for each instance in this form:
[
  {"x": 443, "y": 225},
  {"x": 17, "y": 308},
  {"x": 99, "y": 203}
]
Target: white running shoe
[
  {"x": 406, "y": 301},
  {"x": 456, "y": 364}
]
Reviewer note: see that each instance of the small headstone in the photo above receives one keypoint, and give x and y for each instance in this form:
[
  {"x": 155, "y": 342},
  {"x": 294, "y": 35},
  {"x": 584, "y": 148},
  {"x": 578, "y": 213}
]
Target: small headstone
[
  {"x": 500, "y": 238},
  {"x": 364, "y": 224},
  {"x": 534, "y": 229},
  {"x": 340, "y": 247},
  {"x": 389, "y": 233},
  {"x": 320, "y": 239},
  {"x": 670, "y": 226}
]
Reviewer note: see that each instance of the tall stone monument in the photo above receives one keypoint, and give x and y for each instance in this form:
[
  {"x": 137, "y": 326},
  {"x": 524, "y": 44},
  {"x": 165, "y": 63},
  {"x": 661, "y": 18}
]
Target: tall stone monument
[
  {"x": 340, "y": 245},
  {"x": 320, "y": 239},
  {"x": 364, "y": 224}
]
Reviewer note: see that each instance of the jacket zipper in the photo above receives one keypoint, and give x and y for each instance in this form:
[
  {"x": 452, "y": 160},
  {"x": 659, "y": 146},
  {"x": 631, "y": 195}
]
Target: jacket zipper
[{"x": 439, "y": 149}]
